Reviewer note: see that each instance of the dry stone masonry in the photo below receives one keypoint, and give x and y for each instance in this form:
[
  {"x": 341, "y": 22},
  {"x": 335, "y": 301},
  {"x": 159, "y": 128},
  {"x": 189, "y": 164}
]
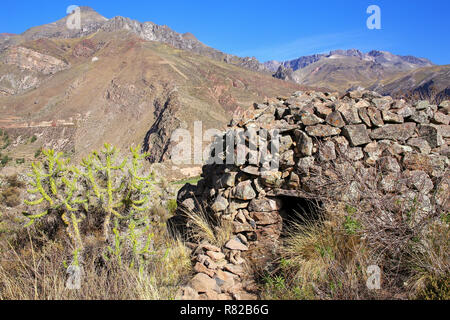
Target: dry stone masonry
[{"x": 330, "y": 147}]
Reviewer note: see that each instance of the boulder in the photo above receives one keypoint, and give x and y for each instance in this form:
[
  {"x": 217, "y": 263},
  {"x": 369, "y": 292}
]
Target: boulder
[
  {"x": 356, "y": 134},
  {"x": 440, "y": 118},
  {"x": 335, "y": 119},
  {"x": 244, "y": 191},
  {"x": 216, "y": 256},
  {"x": 382, "y": 103},
  {"x": 420, "y": 117},
  {"x": 266, "y": 218},
  {"x": 401, "y": 132},
  {"x": 271, "y": 178},
  {"x": 304, "y": 164},
  {"x": 421, "y": 105},
  {"x": 327, "y": 151},
  {"x": 375, "y": 116},
  {"x": 200, "y": 268},
  {"x": 349, "y": 113},
  {"x": 321, "y": 130},
  {"x": 432, "y": 135},
  {"x": 285, "y": 143},
  {"x": 236, "y": 244},
  {"x": 420, "y": 144},
  {"x": 220, "y": 204},
  {"x": 187, "y": 293},
  {"x": 264, "y": 205},
  {"x": 364, "y": 115},
  {"x": 392, "y": 117},
  {"x": 305, "y": 143},
  {"x": 309, "y": 119},
  {"x": 202, "y": 283}
]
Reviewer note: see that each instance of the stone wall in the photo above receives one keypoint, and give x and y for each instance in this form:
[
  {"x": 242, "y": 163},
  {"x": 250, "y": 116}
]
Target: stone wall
[{"x": 340, "y": 148}]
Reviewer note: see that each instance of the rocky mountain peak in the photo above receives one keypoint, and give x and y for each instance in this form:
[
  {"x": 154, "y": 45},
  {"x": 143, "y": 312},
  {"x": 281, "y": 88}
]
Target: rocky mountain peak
[
  {"x": 347, "y": 53},
  {"x": 149, "y": 31},
  {"x": 189, "y": 36}
]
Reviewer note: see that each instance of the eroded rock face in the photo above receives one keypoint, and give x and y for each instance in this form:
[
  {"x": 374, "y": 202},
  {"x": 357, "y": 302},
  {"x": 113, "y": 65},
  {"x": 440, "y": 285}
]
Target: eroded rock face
[
  {"x": 329, "y": 147},
  {"x": 27, "y": 59},
  {"x": 25, "y": 69}
]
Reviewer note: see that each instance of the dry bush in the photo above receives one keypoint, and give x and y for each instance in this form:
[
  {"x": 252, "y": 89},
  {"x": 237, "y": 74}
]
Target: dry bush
[
  {"x": 203, "y": 227},
  {"x": 14, "y": 181},
  {"x": 328, "y": 259},
  {"x": 36, "y": 272},
  {"x": 322, "y": 259},
  {"x": 11, "y": 194},
  {"x": 11, "y": 197},
  {"x": 429, "y": 260}
]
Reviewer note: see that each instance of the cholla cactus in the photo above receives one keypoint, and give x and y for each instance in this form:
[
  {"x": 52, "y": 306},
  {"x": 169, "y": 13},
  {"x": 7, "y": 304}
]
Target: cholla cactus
[
  {"x": 55, "y": 188},
  {"x": 105, "y": 179},
  {"x": 133, "y": 245},
  {"x": 102, "y": 185},
  {"x": 140, "y": 188}
]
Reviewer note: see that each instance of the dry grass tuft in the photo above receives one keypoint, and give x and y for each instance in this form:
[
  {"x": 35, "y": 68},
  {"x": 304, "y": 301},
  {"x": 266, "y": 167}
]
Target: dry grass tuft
[
  {"x": 204, "y": 228},
  {"x": 34, "y": 268},
  {"x": 40, "y": 274},
  {"x": 329, "y": 258},
  {"x": 322, "y": 259},
  {"x": 431, "y": 264}
]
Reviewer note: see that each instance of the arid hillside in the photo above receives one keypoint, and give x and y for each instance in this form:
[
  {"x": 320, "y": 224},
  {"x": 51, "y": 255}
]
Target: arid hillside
[
  {"x": 76, "y": 93},
  {"x": 431, "y": 83}
]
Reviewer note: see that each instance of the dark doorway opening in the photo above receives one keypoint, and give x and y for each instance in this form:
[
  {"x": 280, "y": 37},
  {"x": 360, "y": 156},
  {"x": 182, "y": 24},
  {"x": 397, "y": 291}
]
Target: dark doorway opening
[{"x": 297, "y": 211}]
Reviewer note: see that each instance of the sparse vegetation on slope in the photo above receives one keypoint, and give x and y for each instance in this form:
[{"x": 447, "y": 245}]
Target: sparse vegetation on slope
[{"x": 98, "y": 217}]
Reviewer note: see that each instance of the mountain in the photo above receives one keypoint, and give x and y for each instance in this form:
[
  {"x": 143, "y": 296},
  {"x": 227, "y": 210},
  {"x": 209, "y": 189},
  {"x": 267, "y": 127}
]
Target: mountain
[
  {"x": 92, "y": 22},
  {"x": 118, "y": 81},
  {"x": 429, "y": 83},
  {"x": 127, "y": 82},
  {"x": 342, "y": 69},
  {"x": 6, "y": 35}
]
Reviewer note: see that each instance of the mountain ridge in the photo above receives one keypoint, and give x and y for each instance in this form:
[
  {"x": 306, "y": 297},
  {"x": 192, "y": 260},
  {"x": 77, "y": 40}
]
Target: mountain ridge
[
  {"x": 342, "y": 70},
  {"x": 375, "y": 55},
  {"x": 93, "y": 22}
]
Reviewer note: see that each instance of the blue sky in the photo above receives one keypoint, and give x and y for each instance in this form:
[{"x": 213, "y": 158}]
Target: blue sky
[{"x": 279, "y": 29}]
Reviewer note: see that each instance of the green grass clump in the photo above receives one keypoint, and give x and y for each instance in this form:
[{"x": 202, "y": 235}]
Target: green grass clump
[
  {"x": 192, "y": 181},
  {"x": 172, "y": 206},
  {"x": 38, "y": 153},
  {"x": 5, "y": 160}
]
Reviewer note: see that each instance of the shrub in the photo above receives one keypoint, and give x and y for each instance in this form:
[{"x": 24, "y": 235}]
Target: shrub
[
  {"x": 429, "y": 263},
  {"x": 172, "y": 206},
  {"x": 11, "y": 197},
  {"x": 202, "y": 227},
  {"x": 137, "y": 260},
  {"x": 351, "y": 225},
  {"x": 6, "y": 141},
  {"x": 5, "y": 159},
  {"x": 33, "y": 139},
  {"x": 398, "y": 233},
  {"x": 103, "y": 188},
  {"x": 38, "y": 153}
]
